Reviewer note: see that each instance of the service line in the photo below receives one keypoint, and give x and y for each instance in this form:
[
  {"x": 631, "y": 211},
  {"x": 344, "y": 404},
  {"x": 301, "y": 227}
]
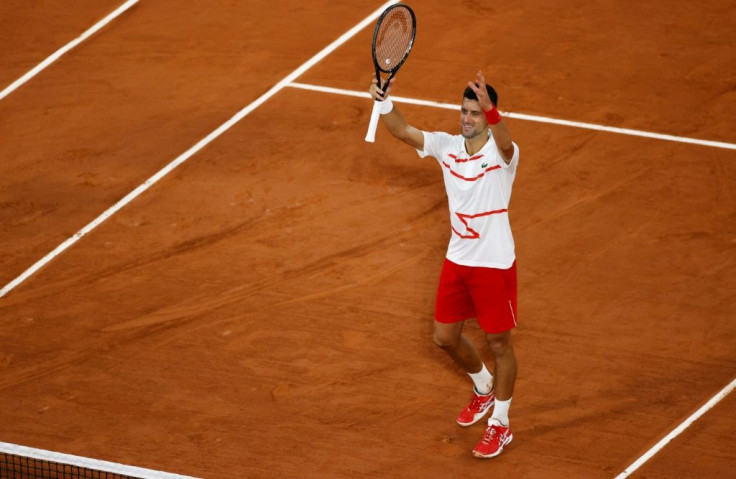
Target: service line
[
  {"x": 525, "y": 117},
  {"x": 61, "y": 51}
]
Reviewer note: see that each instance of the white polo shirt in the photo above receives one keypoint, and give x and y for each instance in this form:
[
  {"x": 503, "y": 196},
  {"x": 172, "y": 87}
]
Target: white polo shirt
[{"x": 478, "y": 193}]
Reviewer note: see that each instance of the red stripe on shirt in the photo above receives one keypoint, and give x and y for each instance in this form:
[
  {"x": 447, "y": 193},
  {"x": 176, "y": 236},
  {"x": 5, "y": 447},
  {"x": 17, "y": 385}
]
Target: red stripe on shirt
[
  {"x": 463, "y": 160},
  {"x": 475, "y": 178},
  {"x": 464, "y": 218}
]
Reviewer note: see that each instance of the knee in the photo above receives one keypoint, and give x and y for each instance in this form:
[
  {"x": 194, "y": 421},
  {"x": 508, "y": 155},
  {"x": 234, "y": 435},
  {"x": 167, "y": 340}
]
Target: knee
[
  {"x": 444, "y": 340},
  {"x": 500, "y": 344}
]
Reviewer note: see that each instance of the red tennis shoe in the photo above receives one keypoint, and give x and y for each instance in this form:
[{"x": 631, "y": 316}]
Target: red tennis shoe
[
  {"x": 479, "y": 406},
  {"x": 493, "y": 441}
]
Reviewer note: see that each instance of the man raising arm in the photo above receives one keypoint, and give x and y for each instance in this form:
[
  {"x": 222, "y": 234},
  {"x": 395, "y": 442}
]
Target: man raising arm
[{"x": 478, "y": 277}]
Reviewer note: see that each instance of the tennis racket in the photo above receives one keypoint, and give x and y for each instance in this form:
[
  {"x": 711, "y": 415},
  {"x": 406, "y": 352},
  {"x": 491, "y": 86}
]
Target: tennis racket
[{"x": 393, "y": 38}]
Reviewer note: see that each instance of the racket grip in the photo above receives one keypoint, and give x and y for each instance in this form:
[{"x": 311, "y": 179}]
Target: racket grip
[{"x": 373, "y": 125}]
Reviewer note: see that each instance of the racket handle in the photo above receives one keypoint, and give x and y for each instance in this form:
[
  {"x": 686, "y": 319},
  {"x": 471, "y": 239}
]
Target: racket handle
[{"x": 373, "y": 125}]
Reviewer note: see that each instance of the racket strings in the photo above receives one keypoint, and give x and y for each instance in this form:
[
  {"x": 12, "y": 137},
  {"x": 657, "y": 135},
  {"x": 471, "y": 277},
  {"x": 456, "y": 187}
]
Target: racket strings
[{"x": 393, "y": 39}]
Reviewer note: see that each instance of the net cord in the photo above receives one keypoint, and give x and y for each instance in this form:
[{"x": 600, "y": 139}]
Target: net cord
[{"x": 87, "y": 463}]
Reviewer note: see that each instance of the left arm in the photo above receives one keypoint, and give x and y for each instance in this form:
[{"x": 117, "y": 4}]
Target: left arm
[
  {"x": 501, "y": 134},
  {"x": 503, "y": 141}
]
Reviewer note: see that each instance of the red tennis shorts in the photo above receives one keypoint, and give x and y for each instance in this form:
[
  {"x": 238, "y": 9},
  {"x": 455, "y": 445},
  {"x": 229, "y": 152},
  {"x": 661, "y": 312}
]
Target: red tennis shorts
[{"x": 487, "y": 294}]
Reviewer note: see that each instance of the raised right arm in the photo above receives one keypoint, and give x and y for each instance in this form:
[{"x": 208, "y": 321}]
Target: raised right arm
[{"x": 394, "y": 120}]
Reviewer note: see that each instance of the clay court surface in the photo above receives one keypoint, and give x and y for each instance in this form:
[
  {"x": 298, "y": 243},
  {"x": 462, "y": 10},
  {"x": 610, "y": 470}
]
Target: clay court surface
[{"x": 265, "y": 309}]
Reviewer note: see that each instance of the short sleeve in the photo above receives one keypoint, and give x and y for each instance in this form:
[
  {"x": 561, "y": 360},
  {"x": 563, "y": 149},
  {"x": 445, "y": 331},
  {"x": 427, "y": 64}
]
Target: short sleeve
[
  {"x": 434, "y": 142},
  {"x": 514, "y": 159}
]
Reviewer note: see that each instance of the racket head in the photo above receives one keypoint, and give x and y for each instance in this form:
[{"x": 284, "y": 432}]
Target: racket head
[{"x": 393, "y": 38}]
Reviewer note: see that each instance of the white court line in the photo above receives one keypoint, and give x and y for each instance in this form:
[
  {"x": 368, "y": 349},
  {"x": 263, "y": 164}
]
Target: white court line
[
  {"x": 61, "y": 51},
  {"x": 522, "y": 116},
  {"x": 85, "y": 462},
  {"x": 194, "y": 149},
  {"x": 678, "y": 430}
]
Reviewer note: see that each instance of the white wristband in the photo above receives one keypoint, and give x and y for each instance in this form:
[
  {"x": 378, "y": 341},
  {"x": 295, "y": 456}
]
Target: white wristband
[{"x": 386, "y": 106}]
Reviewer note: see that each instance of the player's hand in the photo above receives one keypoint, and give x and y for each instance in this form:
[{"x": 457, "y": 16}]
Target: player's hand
[
  {"x": 377, "y": 93},
  {"x": 479, "y": 87}
]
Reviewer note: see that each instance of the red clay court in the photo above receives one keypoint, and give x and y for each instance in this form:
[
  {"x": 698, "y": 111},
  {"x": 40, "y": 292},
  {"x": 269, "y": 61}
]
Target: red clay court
[{"x": 230, "y": 283}]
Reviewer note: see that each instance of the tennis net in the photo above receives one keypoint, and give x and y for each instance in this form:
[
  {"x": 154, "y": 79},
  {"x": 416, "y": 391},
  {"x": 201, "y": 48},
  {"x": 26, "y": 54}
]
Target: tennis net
[{"x": 20, "y": 462}]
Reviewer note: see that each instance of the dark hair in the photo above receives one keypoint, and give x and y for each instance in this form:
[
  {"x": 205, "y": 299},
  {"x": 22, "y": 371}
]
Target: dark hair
[{"x": 470, "y": 94}]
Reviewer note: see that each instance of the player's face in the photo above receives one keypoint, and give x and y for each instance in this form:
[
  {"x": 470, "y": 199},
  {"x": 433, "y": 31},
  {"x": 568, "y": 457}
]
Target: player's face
[{"x": 472, "y": 119}]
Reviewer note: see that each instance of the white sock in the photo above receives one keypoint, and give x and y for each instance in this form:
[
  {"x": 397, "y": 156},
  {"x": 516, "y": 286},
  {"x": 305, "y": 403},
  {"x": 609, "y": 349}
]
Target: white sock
[
  {"x": 500, "y": 414},
  {"x": 483, "y": 380}
]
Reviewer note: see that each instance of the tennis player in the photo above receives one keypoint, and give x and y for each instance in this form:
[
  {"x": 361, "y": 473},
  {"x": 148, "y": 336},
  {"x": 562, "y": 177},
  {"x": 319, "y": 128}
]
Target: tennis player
[{"x": 478, "y": 278}]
